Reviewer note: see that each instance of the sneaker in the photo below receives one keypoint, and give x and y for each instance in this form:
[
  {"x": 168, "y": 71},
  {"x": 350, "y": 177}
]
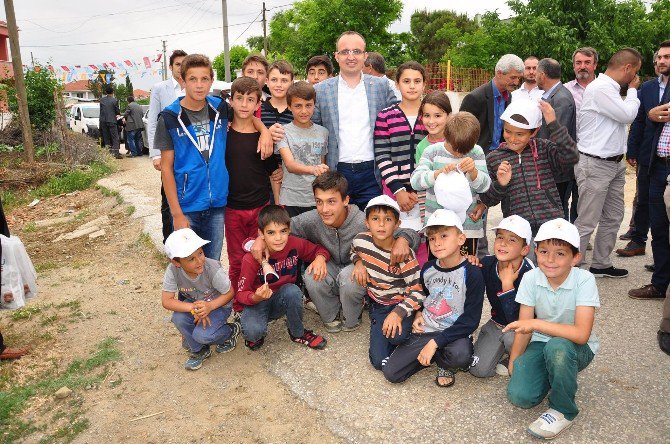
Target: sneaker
[
  {"x": 610, "y": 272},
  {"x": 254, "y": 345},
  {"x": 650, "y": 267},
  {"x": 502, "y": 368},
  {"x": 231, "y": 342},
  {"x": 309, "y": 305},
  {"x": 334, "y": 326},
  {"x": 631, "y": 249},
  {"x": 310, "y": 339},
  {"x": 646, "y": 292},
  {"x": 194, "y": 362},
  {"x": 628, "y": 235},
  {"x": 353, "y": 328},
  {"x": 664, "y": 341},
  {"x": 549, "y": 425}
]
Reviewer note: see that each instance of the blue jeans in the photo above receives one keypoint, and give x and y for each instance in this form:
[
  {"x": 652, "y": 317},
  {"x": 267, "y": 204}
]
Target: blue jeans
[
  {"x": 363, "y": 184},
  {"x": 134, "y": 142},
  {"x": 658, "y": 222},
  {"x": 381, "y": 347},
  {"x": 285, "y": 301},
  {"x": 208, "y": 224},
  {"x": 197, "y": 336}
]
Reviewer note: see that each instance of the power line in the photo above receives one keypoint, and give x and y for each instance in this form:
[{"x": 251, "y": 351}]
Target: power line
[{"x": 247, "y": 28}]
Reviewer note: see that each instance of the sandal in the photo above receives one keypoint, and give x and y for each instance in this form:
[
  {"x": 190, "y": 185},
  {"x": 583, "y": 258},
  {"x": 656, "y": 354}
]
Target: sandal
[{"x": 445, "y": 373}]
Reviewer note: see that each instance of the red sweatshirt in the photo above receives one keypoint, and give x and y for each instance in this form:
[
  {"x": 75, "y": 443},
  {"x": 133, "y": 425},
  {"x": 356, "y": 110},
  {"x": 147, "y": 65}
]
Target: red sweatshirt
[{"x": 285, "y": 264}]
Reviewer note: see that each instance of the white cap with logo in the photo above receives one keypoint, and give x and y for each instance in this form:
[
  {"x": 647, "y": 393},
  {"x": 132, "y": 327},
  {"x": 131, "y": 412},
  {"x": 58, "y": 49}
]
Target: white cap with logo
[
  {"x": 182, "y": 243},
  {"x": 558, "y": 229},
  {"x": 384, "y": 201},
  {"x": 517, "y": 225},
  {"x": 529, "y": 110},
  {"x": 443, "y": 218}
]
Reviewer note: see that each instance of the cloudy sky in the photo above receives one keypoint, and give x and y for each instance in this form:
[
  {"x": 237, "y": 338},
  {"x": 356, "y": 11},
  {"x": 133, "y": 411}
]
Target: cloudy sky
[{"x": 69, "y": 33}]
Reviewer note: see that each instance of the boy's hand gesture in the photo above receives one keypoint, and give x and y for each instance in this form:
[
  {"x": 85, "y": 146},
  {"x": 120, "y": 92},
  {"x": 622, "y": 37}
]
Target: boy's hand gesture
[
  {"x": 277, "y": 132},
  {"x": 477, "y": 212},
  {"x": 406, "y": 200},
  {"x": 318, "y": 170},
  {"x": 504, "y": 173},
  {"x": 360, "y": 274},
  {"x": 392, "y": 325},
  {"x": 263, "y": 293},
  {"x": 547, "y": 112},
  {"x": 277, "y": 175},
  {"x": 467, "y": 165},
  {"x": 427, "y": 353},
  {"x": 524, "y": 326},
  {"x": 474, "y": 260},
  {"x": 266, "y": 146},
  {"x": 448, "y": 168},
  {"x": 508, "y": 275},
  {"x": 259, "y": 250},
  {"x": 318, "y": 268},
  {"x": 180, "y": 221},
  {"x": 417, "y": 325}
]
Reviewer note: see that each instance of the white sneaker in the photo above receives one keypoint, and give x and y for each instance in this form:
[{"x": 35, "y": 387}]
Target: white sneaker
[
  {"x": 502, "y": 370},
  {"x": 549, "y": 425},
  {"x": 309, "y": 305}
]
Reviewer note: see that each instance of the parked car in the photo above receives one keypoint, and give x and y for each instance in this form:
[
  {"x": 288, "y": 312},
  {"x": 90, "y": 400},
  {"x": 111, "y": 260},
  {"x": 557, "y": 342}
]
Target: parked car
[{"x": 84, "y": 118}]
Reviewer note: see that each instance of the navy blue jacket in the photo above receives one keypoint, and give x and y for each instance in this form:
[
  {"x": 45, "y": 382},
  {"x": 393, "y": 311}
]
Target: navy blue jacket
[
  {"x": 200, "y": 185},
  {"x": 642, "y": 129},
  {"x": 504, "y": 308},
  {"x": 658, "y": 127}
]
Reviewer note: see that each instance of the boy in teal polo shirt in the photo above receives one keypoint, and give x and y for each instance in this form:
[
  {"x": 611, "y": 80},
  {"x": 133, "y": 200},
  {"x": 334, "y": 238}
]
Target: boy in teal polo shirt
[{"x": 553, "y": 339}]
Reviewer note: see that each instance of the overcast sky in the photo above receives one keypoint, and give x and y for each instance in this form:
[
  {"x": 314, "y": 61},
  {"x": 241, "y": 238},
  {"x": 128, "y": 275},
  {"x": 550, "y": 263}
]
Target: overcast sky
[{"x": 63, "y": 32}]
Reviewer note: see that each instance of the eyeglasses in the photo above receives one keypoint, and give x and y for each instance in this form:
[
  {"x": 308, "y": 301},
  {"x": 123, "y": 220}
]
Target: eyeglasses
[{"x": 346, "y": 52}]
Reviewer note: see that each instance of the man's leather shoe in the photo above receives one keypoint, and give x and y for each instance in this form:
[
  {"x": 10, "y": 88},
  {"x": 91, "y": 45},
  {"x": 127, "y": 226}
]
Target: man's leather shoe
[
  {"x": 631, "y": 249},
  {"x": 628, "y": 235},
  {"x": 664, "y": 341},
  {"x": 13, "y": 353},
  {"x": 646, "y": 292},
  {"x": 650, "y": 268}
]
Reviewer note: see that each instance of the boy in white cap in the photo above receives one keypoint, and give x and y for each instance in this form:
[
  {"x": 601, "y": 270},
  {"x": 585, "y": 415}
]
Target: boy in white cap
[
  {"x": 554, "y": 338},
  {"x": 502, "y": 275},
  {"x": 454, "y": 289},
  {"x": 394, "y": 291},
  {"x": 198, "y": 291},
  {"x": 524, "y": 167}
]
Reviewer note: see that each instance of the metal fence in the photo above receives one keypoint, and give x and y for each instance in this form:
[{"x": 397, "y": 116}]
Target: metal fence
[{"x": 443, "y": 76}]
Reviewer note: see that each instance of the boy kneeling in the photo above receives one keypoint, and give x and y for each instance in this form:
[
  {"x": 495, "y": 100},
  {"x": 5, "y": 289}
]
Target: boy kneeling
[
  {"x": 203, "y": 294},
  {"x": 558, "y": 304},
  {"x": 267, "y": 291}
]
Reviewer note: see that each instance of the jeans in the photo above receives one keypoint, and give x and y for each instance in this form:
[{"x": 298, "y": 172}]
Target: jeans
[
  {"x": 285, "y": 301},
  {"x": 134, "y": 142},
  {"x": 197, "y": 336},
  {"x": 381, "y": 347},
  {"x": 208, "y": 224},
  {"x": 363, "y": 184},
  {"x": 549, "y": 367},
  {"x": 658, "y": 221},
  {"x": 240, "y": 226}
]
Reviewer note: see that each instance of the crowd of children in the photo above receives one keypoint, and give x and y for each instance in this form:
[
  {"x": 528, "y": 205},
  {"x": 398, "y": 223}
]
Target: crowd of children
[{"x": 423, "y": 307}]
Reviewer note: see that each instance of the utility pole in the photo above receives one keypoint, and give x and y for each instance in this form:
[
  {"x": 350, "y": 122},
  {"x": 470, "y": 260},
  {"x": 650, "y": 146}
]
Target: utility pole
[
  {"x": 19, "y": 82},
  {"x": 164, "y": 62},
  {"x": 226, "y": 50},
  {"x": 265, "y": 33},
  {"x": 32, "y": 59}
]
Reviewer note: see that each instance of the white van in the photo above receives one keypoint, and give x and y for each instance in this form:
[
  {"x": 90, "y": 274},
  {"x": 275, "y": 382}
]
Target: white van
[{"x": 84, "y": 118}]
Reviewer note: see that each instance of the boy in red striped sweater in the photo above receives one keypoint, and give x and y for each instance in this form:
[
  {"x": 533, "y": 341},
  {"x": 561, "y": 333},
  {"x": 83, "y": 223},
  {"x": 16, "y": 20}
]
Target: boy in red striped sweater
[{"x": 394, "y": 290}]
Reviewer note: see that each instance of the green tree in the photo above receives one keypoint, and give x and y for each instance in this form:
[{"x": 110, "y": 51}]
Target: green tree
[
  {"x": 237, "y": 55},
  {"x": 434, "y": 32},
  {"x": 41, "y": 85}
]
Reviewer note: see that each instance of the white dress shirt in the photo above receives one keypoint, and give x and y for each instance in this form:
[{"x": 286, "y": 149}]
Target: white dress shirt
[
  {"x": 355, "y": 133},
  {"x": 603, "y": 117},
  {"x": 523, "y": 93},
  {"x": 162, "y": 95}
]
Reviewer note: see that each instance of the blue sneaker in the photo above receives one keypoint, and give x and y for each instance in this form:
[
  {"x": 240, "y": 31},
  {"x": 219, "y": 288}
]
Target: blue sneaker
[
  {"x": 194, "y": 362},
  {"x": 231, "y": 342}
]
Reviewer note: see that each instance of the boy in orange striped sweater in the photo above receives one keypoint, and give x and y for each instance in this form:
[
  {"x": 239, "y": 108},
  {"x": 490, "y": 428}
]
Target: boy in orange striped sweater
[{"x": 394, "y": 290}]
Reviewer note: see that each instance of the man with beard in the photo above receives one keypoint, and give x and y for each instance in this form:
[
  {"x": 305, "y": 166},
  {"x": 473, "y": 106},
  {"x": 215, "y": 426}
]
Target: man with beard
[
  {"x": 639, "y": 152},
  {"x": 529, "y": 89}
]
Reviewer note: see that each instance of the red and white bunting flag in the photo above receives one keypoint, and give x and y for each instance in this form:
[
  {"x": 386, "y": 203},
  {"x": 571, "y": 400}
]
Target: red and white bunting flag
[
  {"x": 65, "y": 68},
  {"x": 147, "y": 62},
  {"x": 158, "y": 58},
  {"x": 128, "y": 63}
]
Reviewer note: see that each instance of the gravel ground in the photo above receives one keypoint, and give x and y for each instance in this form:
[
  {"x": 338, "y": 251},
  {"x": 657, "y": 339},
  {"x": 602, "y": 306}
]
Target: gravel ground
[{"x": 623, "y": 396}]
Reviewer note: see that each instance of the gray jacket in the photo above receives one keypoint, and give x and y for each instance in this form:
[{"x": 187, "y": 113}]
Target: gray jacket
[
  {"x": 133, "y": 117},
  {"x": 564, "y": 105},
  {"x": 109, "y": 109},
  {"x": 338, "y": 240}
]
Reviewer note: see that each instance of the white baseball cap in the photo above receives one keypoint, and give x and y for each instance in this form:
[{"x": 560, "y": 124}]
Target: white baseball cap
[
  {"x": 182, "y": 243},
  {"x": 517, "y": 225},
  {"x": 529, "y": 110},
  {"x": 558, "y": 229},
  {"x": 384, "y": 201},
  {"x": 443, "y": 218}
]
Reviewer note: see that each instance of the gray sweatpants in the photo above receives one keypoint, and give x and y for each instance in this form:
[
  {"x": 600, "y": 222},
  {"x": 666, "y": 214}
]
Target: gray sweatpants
[
  {"x": 490, "y": 346},
  {"x": 601, "y": 205},
  {"x": 337, "y": 290}
]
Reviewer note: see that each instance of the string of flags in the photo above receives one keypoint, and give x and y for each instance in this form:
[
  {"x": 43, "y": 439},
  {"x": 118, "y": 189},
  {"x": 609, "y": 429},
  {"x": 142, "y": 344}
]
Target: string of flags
[{"x": 147, "y": 66}]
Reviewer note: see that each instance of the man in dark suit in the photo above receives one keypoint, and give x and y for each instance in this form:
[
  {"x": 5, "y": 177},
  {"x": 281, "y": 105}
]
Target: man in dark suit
[
  {"x": 487, "y": 103},
  {"x": 109, "y": 110},
  {"x": 658, "y": 171},
  {"x": 558, "y": 96}
]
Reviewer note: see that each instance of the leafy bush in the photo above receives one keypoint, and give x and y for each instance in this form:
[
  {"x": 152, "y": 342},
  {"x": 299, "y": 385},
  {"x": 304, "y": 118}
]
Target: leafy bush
[{"x": 40, "y": 87}]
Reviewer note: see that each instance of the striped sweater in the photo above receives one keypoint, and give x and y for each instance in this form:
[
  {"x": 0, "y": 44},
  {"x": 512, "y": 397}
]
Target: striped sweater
[
  {"x": 532, "y": 192},
  {"x": 435, "y": 157},
  {"x": 399, "y": 286},
  {"x": 395, "y": 144}
]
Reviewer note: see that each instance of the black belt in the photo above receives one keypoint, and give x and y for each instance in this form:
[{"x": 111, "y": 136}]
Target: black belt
[
  {"x": 358, "y": 166},
  {"x": 610, "y": 159},
  {"x": 663, "y": 161}
]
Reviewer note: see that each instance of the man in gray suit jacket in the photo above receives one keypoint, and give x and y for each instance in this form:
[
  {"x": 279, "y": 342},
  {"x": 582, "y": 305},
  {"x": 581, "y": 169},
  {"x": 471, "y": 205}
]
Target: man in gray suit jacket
[
  {"x": 134, "y": 127},
  {"x": 109, "y": 109},
  {"x": 347, "y": 105},
  {"x": 560, "y": 98}
]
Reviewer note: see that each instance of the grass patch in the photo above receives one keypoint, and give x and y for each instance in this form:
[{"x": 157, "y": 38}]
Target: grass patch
[
  {"x": 110, "y": 193},
  {"x": 11, "y": 200},
  {"x": 27, "y": 312},
  {"x": 130, "y": 209},
  {"x": 30, "y": 227},
  {"x": 74, "y": 180},
  {"x": 46, "y": 266}
]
